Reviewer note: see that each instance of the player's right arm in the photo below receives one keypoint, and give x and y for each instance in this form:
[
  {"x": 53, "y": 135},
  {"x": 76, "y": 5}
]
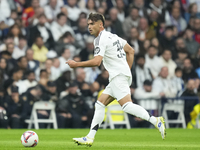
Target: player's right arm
[
  {"x": 129, "y": 54},
  {"x": 96, "y": 61}
]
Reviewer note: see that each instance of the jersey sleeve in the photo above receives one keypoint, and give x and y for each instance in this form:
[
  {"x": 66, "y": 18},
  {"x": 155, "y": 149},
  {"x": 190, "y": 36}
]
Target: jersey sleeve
[
  {"x": 122, "y": 41},
  {"x": 99, "y": 47}
]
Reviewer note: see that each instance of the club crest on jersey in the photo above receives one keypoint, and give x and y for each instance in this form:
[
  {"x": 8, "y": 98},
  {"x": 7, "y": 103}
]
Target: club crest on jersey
[{"x": 97, "y": 50}]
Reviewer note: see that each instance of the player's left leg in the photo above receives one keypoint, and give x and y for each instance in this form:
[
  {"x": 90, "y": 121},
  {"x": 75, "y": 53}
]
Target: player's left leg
[{"x": 129, "y": 107}]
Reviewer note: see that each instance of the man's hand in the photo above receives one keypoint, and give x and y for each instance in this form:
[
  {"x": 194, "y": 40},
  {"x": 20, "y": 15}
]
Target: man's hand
[{"x": 72, "y": 63}]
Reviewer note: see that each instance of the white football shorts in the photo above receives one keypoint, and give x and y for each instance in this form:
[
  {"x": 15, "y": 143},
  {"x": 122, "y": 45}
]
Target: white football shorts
[{"x": 119, "y": 87}]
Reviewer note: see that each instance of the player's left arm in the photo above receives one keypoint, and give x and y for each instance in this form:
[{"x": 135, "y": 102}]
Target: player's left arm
[
  {"x": 96, "y": 61},
  {"x": 129, "y": 54}
]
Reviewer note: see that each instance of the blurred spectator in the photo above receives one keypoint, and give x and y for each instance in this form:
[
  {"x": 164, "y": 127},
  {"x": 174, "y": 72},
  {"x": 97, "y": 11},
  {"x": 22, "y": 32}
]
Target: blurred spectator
[
  {"x": 160, "y": 9},
  {"x": 32, "y": 63},
  {"x": 178, "y": 81},
  {"x": 16, "y": 32},
  {"x": 156, "y": 43},
  {"x": 166, "y": 60},
  {"x": 180, "y": 44},
  {"x": 147, "y": 97},
  {"x": 145, "y": 32},
  {"x": 177, "y": 20},
  {"x": 197, "y": 2},
  {"x": 28, "y": 14},
  {"x": 188, "y": 71},
  {"x": 51, "y": 92},
  {"x": 142, "y": 72},
  {"x": 73, "y": 11},
  {"x": 41, "y": 30},
  {"x": 189, "y": 103},
  {"x": 90, "y": 7},
  {"x": 122, "y": 13},
  {"x": 3, "y": 70},
  {"x": 20, "y": 50},
  {"x": 88, "y": 52},
  {"x": 62, "y": 82},
  {"x": 140, "y": 5},
  {"x": 15, "y": 109},
  {"x": 80, "y": 78},
  {"x": 11, "y": 63},
  {"x": 153, "y": 61},
  {"x": 91, "y": 74},
  {"x": 11, "y": 48},
  {"x": 154, "y": 21},
  {"x": 133, "y": 40},
  {"x": 72, "y": 107},
  {"x": 27, "y": 83},
  {"x": 101, "y": 10},
  {"x": 131, "y": 21},
  {"x": 192, "y": 12},
  {"x": 66, "y": 41},
  {"x": 116, "y": 24},
  {"x": 23, "y": 64},
  {"x": 59, "y": 27},
  {"x": 102, "y": 79},
  {"x": 30, "y": 97},
  {"x": 7, "y": 40},
  {"x": 191, "y": 45},
  {"x": 5, "y": 11},
  {"x": 81, "y": 33},
  {"x": 181, "y": 56},
  {"x": 3, "y": 113},
  {"x": 20, "y": 6},
  {"x": 52, "y": 10},
  {"x": 14, "y": 79},
  {"x": 38, "y": 12},
  {"x": 39, "y": 49},
  {"x": 164, "y": 84},
  {"x": 197, "y": 29},
  {"x": 167, "y": 40},
  {"x": 55, "y": 69},
  {"x": 145, "y": 46},
  {"x": 63, "y": 59}
]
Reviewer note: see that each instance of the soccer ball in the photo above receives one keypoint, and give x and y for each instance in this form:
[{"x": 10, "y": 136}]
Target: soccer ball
[{"x": 29, "y": 139}]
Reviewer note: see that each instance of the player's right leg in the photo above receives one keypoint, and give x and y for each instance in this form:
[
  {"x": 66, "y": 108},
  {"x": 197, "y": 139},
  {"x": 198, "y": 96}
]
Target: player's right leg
[{"x": 98, "y": 117}]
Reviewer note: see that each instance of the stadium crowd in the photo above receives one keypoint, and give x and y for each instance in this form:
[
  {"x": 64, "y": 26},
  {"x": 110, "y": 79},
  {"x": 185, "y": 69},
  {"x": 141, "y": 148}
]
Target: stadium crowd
[{"x": 37, "y": 37}]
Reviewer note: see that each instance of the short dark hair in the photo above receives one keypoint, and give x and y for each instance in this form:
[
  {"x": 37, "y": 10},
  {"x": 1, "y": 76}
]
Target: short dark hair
[
  {"x": 20, "y": 58},
  {"x": 96, "y": 16},
  {"x": 29, "y": 72},
  {"x": 43, "y": 70},
  {"x": 60, "y": 15},
  {"x": 42, "y": 15},
  {"x": 178, "y": 69},
  {"x": 152, "y": 46},
  {"x": 139, "y": 56}
]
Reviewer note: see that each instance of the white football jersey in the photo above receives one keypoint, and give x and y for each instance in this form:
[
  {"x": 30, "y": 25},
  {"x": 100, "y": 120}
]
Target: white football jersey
[{"x": 110, "y": 47}]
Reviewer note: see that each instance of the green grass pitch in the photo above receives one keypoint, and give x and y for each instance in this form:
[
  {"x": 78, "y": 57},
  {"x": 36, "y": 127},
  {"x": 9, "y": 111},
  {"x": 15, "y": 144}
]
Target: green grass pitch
[{"x": 118, "y": 139}]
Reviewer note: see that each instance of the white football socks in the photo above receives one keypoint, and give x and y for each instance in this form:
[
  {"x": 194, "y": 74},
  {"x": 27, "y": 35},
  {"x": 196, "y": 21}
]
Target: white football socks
[
  {"x": 138, "y": 111},
  {"x": 97, "y": 119}
]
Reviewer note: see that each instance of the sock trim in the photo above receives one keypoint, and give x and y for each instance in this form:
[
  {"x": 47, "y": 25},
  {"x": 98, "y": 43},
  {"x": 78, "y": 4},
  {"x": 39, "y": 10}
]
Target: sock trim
[{"x": 96, "y": 127}]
